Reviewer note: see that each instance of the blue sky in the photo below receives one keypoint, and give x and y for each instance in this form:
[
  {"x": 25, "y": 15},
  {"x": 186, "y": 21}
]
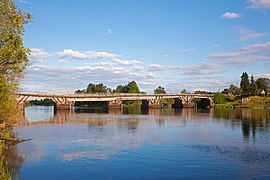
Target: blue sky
[{"x": 191, "y": 44}]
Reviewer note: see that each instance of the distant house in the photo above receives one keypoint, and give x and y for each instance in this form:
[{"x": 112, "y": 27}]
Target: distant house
[
  {"x": 262, "y": 92},
  {"x": 229, "y": 92},
  {"x": 226, "y": 91}
]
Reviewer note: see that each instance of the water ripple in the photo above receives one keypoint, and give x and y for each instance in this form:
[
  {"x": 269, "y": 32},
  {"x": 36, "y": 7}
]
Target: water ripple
[{"x": 233, "y": 153}]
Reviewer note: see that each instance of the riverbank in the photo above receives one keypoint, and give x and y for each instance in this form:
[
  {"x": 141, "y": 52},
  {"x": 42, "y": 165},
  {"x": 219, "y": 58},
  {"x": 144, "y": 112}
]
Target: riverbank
[{"x": 256, "y": 102}]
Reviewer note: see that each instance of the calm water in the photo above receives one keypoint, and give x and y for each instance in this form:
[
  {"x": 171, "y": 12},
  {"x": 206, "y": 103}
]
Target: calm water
[{"x": 129, "y": 144}]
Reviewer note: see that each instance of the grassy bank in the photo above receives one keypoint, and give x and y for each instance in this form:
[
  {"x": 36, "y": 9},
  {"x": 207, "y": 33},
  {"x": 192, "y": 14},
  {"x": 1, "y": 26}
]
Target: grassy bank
[{"x": 256, "y": 102}]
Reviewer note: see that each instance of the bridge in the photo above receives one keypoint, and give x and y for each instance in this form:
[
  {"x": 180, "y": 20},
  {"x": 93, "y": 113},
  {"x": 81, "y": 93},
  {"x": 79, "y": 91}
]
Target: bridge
[{"x": 115, "y": 100}]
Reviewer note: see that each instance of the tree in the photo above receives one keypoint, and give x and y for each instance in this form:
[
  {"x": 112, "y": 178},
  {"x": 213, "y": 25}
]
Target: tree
[
  {"x": 219, "y": 98},
  {"x": 184, "y": 91},
  {"x": 261, "y": 83},
  {"x": 254, "y": 87},
  {"x": 245, "y": 84},
  {"x": 97, "y": 88},
  {"x": 80, "y": 91},
  {"x": 235, "y": 90},
  {"x": 13, "y": 54},
  {"x": 120, "y": 89},
  {"x": 132, "y": 87},
  {"x": 160, "y": 90}
]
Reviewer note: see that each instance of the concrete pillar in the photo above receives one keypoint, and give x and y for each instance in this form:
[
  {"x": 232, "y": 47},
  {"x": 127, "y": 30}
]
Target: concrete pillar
[
  {"x": 212, "y": 103},
  {"x": 114, "y": 104},
  {"x": 189, "y": 105},
  {"x": 20, "y": 106},
  {"x": 115, "y": 111},
  {"x": 68, "y": 106},
  {"x": 149, "y": 104}
]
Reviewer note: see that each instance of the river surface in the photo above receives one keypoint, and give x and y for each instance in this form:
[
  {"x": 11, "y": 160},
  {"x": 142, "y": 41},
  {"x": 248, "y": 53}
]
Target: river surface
[{"x": 130, "y": 144}]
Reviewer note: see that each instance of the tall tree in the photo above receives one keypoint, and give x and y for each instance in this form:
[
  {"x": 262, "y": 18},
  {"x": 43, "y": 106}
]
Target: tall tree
[
  {"x": 97, "y": 88},
  {"x": 132, "y": 87},
  {"x": 120, "y": 89},
  {"x": 159, "y": 90},
  {"x": 254, "y": 87},
  {"x": 245, "y": 84},
  {"x": 13, "y": 54},
  {"x": 261, "y": 83}
]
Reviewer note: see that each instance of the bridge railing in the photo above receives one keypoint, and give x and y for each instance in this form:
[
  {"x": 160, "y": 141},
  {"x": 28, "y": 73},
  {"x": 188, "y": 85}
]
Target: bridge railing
[{"x": 109, "y": 95}]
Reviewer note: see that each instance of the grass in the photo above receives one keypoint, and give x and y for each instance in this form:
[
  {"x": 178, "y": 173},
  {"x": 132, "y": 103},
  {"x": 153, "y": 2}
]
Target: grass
[{"x": 256, "y": 102}]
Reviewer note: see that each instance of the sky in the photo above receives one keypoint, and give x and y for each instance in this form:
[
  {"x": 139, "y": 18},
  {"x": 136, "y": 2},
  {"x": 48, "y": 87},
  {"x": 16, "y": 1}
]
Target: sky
[{"x": 177, "y": 44}]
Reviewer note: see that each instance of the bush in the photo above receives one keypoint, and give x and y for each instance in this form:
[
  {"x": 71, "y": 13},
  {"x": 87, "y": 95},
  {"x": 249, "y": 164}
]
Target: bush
[{"x": 219, "y": 98}]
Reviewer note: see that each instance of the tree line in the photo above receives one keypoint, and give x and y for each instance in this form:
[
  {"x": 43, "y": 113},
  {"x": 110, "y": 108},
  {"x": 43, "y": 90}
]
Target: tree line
[
  {"x": 131, "y": 87},
  {"x": 250, "y": 86}
]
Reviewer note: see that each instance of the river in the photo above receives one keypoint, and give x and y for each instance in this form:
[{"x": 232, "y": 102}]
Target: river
[{"x": 130, "y": 144}]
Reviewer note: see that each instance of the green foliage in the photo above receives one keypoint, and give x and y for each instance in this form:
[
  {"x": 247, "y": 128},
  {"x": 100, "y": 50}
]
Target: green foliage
[
  {"x": 120, "y": 89},
  {"x": 219, "y": 98},
  {"x": 42, "y": 102},
  {"x": 184, "y": 91},
  {"x": 160, "y": 90},
  {"x": 166, "y": 102},
  {"x": 132, "y": 87},
  {"x": 96, "y": 88},
  {"x": 254, "y": 87},
  {"x": 7, "y": 101},
  {"x": 262, "y": 85},
  {"x": 4, "y": 172},
  {"x": 80, "y": 91},
  {"x": 13, "y": 54},
  {"x": 245, "y": 84},
  {"x": 235, "y": 90}
]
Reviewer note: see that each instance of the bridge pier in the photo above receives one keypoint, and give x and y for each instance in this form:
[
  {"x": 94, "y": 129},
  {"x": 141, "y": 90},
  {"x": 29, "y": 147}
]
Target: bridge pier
[
  {"x": 212, "y": 103},
  {"x": 20, "y": 106},
  {"x": 189, "y": 105},
  {"x": 115, "y": 104},
  {"x": 64, "y": 106},
  {"x": 151, "y": 104},
  {"x": 184, "y": 102}
]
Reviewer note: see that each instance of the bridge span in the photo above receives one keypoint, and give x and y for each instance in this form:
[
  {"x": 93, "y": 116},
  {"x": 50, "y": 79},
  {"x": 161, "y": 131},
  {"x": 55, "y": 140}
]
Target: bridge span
[{"x": 114, "y": 100}]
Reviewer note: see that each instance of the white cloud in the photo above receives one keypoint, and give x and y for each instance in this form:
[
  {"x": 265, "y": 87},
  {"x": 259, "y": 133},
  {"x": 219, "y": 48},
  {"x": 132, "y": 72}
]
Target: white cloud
[
  {"x": 116, "y": 61},
  {"x": 66, "y": 78},
  {"x": 37, "y": 55},
  {"x": 188, "y": 50},
  {"x": 259, "y": 4},
  {"x": 126, "y": 62},
  {"x": 69, "y": 53},
  {"x": 109, "y": 31},
  {"x": 23, "y": 1},
  {"x": 264, "y": 75},
  {"x": 210, "y": 75},
  {"x": 247, "y": 34},
  {"x": 245, "y": 55},
  {"x": 193, "y": 69},
  {"x": 159, "y": 67},
  {"x": 231, "y": 15}
]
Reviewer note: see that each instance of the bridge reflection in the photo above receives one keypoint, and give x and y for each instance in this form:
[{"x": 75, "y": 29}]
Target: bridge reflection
[{"x": 251, "y": 121}]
